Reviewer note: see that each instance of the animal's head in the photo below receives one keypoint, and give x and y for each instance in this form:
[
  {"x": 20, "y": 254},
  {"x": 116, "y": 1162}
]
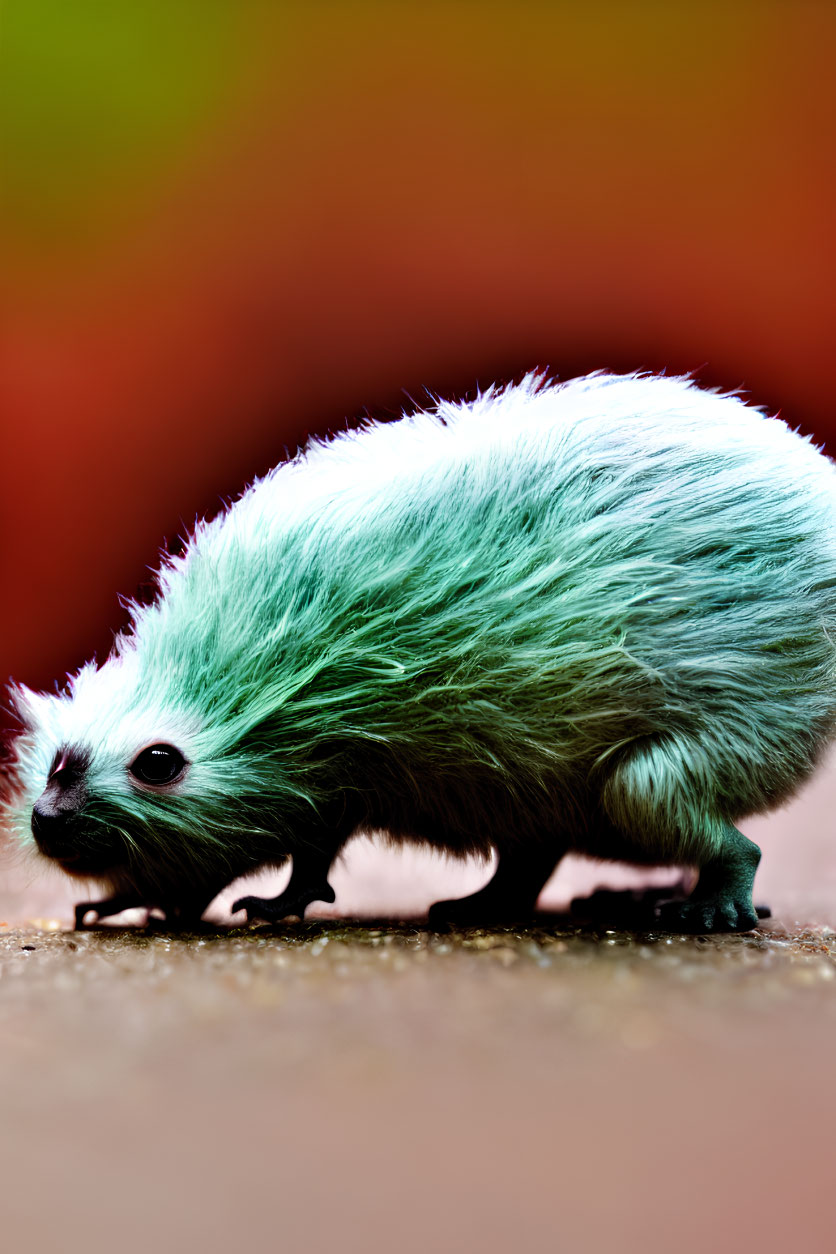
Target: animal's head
[
  {"x": 122, "y": 779},
  {"x": 195, "y": 752}
]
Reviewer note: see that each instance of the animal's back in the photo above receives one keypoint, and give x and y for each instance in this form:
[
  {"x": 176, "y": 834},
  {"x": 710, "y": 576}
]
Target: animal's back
[{"x": 522, "y": 589}]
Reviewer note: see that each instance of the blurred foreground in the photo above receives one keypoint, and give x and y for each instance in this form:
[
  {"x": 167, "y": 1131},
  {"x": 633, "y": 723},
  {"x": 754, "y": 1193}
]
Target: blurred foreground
[{"x": 356, "y": 1088}]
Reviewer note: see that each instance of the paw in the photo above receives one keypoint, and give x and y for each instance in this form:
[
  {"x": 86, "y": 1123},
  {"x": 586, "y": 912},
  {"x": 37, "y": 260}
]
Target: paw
[
  {"x": 713, "y": 914},
  {"x": 442, "y": 915},
  {"x": 263, "y": 909},
  {"x": 633, "y": 909},
  {"x": 470, "y": 912},
  {"x": 81, "y": 911},
  {"x": 274, "y": 909}
]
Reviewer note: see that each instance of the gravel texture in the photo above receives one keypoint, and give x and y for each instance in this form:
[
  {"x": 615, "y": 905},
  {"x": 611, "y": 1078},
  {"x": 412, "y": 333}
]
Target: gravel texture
[{"x": 352, "y": 1086}]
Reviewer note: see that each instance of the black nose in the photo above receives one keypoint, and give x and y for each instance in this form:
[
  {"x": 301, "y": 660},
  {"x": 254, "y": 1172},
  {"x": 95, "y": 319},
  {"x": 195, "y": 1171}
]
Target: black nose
[{"x": 54, "y": 830}]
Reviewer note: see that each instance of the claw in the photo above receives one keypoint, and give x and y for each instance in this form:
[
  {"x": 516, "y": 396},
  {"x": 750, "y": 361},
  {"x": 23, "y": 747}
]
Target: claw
[
  {"x": 704, "y": 917},
  {"x": 252, "y": 907},
  {"x": 274, "y": 909}
]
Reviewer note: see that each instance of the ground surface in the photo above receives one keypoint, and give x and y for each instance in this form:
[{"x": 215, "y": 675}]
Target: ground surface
[{"x": 357, "y": 1088}]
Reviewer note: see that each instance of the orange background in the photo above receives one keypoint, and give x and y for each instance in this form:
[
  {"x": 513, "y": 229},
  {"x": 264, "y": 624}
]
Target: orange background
[{"x": 230, "y": 224}]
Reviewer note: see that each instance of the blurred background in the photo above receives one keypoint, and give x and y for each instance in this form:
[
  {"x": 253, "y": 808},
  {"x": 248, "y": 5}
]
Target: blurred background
[{"x": 229, "y": 223}]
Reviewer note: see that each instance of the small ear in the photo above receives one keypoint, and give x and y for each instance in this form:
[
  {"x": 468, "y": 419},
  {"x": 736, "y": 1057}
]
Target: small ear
[{"x": 27, "y": 706}]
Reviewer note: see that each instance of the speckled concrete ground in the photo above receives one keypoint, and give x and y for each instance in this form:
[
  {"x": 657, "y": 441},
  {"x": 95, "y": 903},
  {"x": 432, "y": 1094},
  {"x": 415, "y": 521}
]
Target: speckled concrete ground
[{"x": 355, "y": 1088}]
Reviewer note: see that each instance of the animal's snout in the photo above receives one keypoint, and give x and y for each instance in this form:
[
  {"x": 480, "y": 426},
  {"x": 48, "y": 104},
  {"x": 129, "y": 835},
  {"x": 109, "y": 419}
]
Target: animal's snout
[
  {"x": 54, "y": 829},
  {"x": 55, "y": 813}
]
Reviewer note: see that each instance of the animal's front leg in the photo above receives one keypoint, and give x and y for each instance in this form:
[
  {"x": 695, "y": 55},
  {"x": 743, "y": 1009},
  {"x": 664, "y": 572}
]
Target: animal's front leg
[
  {"x": 106, "y": 908},
  {"x": 184, "y": 910},
  {"x": 308, "y": 882}
]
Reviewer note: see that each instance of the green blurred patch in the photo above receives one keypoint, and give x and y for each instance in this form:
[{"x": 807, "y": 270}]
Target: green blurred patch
[{"x": 100, "y": 99}]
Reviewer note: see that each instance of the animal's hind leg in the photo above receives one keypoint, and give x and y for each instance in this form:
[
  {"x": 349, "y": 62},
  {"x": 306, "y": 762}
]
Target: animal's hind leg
[
  {"x": 722, "y": 899},
  {"x": 662, "y": 799},
  {"x": 509, "y": 896}
]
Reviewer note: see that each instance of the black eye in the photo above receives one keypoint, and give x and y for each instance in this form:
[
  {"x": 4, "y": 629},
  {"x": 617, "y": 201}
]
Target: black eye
[{"x": 159, "y": 764}]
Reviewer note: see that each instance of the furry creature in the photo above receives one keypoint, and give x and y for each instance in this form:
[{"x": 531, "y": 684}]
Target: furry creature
[{"x": 595, "y": 616}]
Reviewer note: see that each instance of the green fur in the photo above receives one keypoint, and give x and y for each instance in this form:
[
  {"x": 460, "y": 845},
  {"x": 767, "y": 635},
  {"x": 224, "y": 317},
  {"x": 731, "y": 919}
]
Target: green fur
[{"x": 598, "y": 616}]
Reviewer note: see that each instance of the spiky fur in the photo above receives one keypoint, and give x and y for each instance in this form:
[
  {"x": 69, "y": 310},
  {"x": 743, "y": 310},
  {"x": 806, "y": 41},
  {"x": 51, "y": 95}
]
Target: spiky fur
[{"x": 597, "y": 614}]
